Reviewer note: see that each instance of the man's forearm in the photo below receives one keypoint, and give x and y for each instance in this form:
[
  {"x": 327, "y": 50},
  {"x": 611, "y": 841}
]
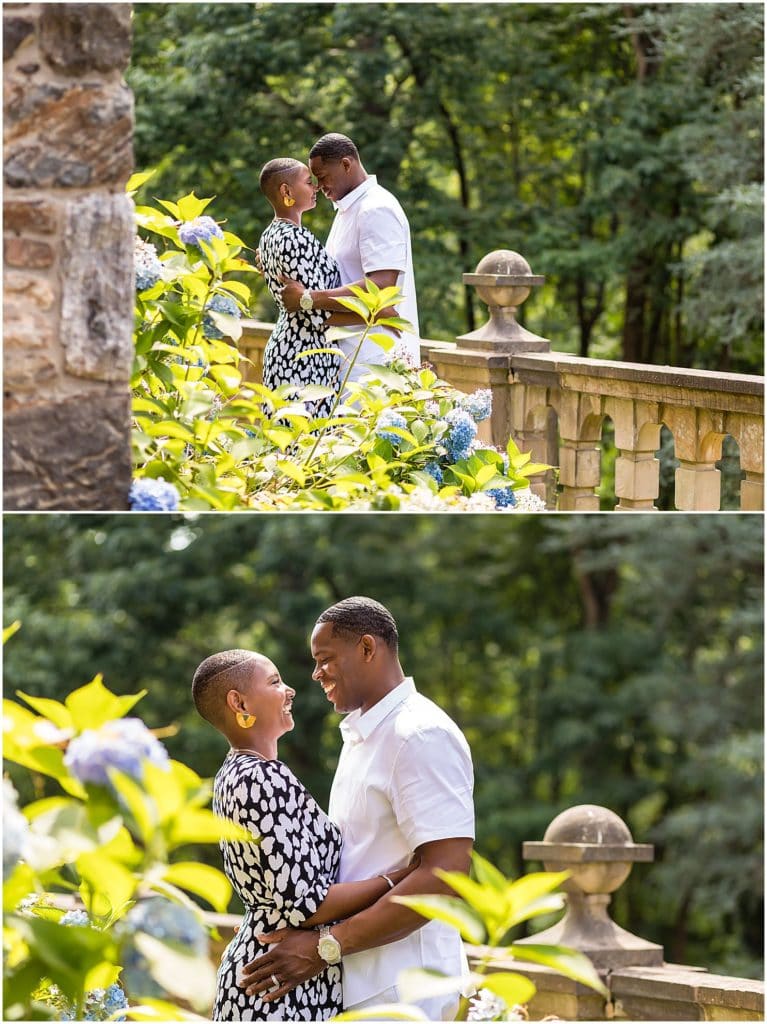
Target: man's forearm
[{"x": 387, "y": 921}]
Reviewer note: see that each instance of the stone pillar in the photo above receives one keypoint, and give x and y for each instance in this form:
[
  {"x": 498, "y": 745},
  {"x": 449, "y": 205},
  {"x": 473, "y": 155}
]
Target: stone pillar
[
  {"x": 68, "y": 256},
  {"x": 482, "y": 358}
]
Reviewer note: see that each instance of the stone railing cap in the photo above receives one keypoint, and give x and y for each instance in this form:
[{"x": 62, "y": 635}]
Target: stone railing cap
[
  {"x": 503, "y": 280},
  {"x": 581, "y": 853}
]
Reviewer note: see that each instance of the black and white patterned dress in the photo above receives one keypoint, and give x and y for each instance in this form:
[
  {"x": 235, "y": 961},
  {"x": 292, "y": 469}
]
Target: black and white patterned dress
[
  {"x": 293, "y": 251},
  {"x": 282, "y": 881}
]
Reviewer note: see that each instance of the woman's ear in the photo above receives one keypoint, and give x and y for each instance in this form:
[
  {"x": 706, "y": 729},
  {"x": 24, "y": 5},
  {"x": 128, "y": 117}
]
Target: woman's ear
[{"x": 234, "y": 701}]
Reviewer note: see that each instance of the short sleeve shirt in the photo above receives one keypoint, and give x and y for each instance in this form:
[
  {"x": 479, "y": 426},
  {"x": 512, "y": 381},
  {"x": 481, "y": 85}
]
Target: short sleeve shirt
[
  {"x": 404, "y": 778},
  {"x": 371, "y": 232}
]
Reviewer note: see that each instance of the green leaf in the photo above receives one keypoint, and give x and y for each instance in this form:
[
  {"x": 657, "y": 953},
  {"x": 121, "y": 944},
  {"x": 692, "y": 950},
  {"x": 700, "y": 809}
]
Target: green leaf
[
  {"x": 568, "y": 962},
  {"x": 228, "y": 377},
  {"x": 53, "y": 710},
  {"x": 17, "y": 884},
  {"x": 184, "y": 975},
  {"x": 384, "y": 341},
  {"x": 205, "y": 881},
  {"x": 106, "y": 884},
  {"x": 229, "y": 325},
  {"x": 141, "y": 809},
  {"x": 93, "y": 705},
  {"x": 512, "y": 988},
  {"x": 486, "y": 474},
  {"x": 293, "y": 471},
  {"x": 450, "y": 910},
  {"x": 189, "y": 206},
  {"x": 170, "y": 428},
  {"x": 524, "y": 894},
  {"x": 9, "y": 631},
  {"x": 160, "y": 1011},
  {"x": 355, "y": 305},
  {"x": 487, "y": 873},
  {"x": 486, "y": 901},
  {"x": 203, "y": 826},
  {"x": 137, "y": 180},
  {"x": 237, "y": 288}
]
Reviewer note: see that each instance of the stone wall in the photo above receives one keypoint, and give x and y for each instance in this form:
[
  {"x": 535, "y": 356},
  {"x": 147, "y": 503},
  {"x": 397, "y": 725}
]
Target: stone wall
[{"x": 68, "y": 265}]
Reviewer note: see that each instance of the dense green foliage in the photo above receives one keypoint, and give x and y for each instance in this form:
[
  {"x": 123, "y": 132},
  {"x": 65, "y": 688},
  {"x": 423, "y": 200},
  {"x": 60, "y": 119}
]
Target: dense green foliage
[
  {"x": 617, "y": 147},
  {"x": 590, "y": 659}
]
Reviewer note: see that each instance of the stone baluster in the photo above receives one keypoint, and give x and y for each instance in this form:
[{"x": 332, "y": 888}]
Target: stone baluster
[
  {"x": 580, "y": 451},
  {"x": 637, "y": 438}
]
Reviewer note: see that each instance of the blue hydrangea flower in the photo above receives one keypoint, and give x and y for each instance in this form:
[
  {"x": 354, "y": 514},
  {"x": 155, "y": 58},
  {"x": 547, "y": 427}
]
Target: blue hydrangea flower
[
  {"x": 504, "y": 497},
  {"x": 123, "y": 744},
  {"x": 192, "y": 232},
  {"x": 100, "y": 1003},
  {"x": 390, "y": 418},
  {"x": 75, "y": 917},
  {"x": 219, "y": 304},
  {"x": 147, "y": 266},
  {"x": 164, "y": 920},
  {"x": 462, "y": 431},
  {"x": 434, "y": 470},
  {"x": 148, "y": 495},
  {"x": 15, "y": 829},
  {"x": 478, "y": 405}
]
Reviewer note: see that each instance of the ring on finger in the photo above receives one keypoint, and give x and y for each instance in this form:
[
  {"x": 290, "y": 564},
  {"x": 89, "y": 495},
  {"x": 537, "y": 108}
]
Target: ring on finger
[{"x": 276, "y": 981}]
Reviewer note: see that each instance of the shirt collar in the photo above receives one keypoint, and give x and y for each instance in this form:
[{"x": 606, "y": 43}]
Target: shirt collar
[
  {"x": 357, "y": 727},
  {"x": 356, "y": 193}
]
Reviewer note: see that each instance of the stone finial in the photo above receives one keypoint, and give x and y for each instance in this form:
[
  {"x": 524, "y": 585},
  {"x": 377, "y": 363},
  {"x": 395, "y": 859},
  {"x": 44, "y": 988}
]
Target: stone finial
[
  {"x": 503, "y": 280},
  {"x": 596, "y": 846}
]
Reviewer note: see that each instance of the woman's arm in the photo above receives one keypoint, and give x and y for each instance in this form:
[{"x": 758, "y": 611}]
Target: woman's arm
[{"x": 347, "y": 898}]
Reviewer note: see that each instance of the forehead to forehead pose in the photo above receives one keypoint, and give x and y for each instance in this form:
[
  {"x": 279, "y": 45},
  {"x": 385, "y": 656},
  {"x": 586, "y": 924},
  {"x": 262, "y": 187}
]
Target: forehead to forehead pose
[
  {"x": 402, "y": 790},
  {"x": 369, "y": 238},
  {"x": 290, "y": 877},
  {"x": 288, "y": 248}
]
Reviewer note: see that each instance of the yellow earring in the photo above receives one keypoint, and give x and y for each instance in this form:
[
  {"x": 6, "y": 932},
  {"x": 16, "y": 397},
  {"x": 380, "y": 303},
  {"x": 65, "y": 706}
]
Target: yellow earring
[
  {"x": 245, "y": 721},
  {"x": 289, "y": 201}
]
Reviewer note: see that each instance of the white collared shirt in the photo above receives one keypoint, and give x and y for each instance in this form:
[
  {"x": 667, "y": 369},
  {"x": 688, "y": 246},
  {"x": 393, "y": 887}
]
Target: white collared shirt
[
  {"x": 371, "y": 232},
  {"x": 404, "y": 778}
]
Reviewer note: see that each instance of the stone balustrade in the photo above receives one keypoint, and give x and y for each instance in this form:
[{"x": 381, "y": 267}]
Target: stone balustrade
[{"x": 555, "y": 406}]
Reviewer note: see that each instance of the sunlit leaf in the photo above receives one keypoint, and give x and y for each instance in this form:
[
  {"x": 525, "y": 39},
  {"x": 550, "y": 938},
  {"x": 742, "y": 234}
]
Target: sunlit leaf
[
  {"x": 565, "y": 961},
  {"x": 450, "y": 910}
]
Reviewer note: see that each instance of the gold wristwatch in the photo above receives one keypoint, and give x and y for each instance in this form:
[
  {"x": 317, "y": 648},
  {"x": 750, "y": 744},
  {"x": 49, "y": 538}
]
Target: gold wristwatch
[
  {"x": 329, "y": 948},
  {"x": 306, "y": 302}
]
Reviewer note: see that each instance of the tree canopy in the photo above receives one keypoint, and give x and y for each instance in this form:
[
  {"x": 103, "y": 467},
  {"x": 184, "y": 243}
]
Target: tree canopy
[
  {"x": 600, "y": 659},
  {"x": 617, "y": 147}
]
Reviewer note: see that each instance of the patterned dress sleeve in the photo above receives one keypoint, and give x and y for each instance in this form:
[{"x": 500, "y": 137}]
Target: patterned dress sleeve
[{"x": 295, "y": 863}]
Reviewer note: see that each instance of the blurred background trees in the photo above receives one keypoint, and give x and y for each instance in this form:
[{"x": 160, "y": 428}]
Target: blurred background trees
[
  {"x": 618, "y": 147},
  {"x": 589, "y": 659}
]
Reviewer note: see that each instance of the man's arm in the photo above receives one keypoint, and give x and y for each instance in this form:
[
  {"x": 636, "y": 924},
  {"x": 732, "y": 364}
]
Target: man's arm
[
  {"x": 293, "y": 956},
  {"x": 327, "y": 299}
]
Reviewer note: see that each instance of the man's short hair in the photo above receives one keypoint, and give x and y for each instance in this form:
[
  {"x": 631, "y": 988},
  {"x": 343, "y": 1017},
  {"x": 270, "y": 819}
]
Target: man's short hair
[
  {"x": 356, "y": 616},
  {"x": 333, "y": 147},
  {"x": 275, "y": 172},
  {"x": 212, "y": 680}
]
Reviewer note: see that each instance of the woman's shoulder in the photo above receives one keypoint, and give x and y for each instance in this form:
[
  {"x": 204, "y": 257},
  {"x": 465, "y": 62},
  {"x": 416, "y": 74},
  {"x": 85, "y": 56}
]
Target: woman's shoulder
[{"x": 244, "y": 767}]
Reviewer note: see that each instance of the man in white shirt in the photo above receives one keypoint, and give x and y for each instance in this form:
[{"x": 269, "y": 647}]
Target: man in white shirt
[
  {"x": 403, "y": 787},
  {"x": 369, "y": 237}
]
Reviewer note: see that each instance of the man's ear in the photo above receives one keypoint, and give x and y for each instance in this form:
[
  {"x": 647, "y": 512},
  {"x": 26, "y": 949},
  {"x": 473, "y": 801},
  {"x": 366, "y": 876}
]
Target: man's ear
[
  {"x": 369, "y": 646},
  {"x": 347, "y": 162}
]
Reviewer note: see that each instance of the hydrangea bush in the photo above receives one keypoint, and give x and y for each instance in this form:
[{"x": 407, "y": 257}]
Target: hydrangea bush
[
  {"x": 399, "y": 439},
  {"x": 136, "y": 945}
]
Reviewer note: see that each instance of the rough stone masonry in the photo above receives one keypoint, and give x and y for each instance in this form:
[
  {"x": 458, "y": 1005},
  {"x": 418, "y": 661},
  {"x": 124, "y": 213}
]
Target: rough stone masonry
[{"x": 68, "y": 256}]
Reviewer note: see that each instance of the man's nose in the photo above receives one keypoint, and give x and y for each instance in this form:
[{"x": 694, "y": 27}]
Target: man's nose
[{"x": 316, "y": 674}]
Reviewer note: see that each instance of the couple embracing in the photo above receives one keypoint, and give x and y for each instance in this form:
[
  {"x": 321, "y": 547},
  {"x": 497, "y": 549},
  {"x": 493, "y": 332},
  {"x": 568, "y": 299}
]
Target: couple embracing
[
  {"x": 320, "y": 931},
  {"x": 370, "y": 237}
]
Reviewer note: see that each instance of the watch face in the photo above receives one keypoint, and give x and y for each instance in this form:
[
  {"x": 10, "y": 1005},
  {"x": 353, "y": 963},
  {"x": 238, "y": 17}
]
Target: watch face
[
  {"x": 305, "y": 302},
  {"x": 329, "y": 949}
]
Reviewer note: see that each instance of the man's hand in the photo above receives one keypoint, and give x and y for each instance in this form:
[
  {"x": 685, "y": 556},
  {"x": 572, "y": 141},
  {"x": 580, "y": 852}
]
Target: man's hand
[
  {"x": 292, "y": 959},
  {"x": 291, "y": 293}
]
